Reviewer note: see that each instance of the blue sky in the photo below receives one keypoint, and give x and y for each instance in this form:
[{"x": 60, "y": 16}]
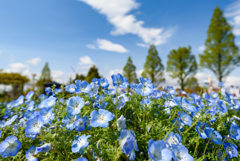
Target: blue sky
[{"x": 79, "y": 33}]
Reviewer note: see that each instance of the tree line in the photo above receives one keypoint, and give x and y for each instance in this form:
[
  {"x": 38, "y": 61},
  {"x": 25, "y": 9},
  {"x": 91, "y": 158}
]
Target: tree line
[{"x": 221, "y": 56}]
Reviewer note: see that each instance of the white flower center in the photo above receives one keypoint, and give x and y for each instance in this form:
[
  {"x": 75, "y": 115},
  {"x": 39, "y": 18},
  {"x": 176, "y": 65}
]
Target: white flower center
[
  {"x": 172, "y": 140},
  {"x": 179, "y": 156},
  {"x": 157, "y": 154},
  {"x": 81, "y": 142},
  {"x": 101, "y": 118}
]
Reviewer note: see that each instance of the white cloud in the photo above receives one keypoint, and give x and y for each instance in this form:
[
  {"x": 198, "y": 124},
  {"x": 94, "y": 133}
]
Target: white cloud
[
  {"x": 117, "y": 11},
  {"x": 33, "y": 61},
  {"x": 233, "y": 13},
  {"x": 91, "y": 46},
  {"x": 0, "y": 52},
  {"x": 201, "y": 48},
  {"x": 85, "y": 60},
  {"x": 19, "y": 68},
  {"x": 143, "y": 45},
  {"x": 106, "y": 67},
  {"x": 58, "y": 76},
  {"x": 110, "y": 46},
  {"x": 85, "y": 67}
]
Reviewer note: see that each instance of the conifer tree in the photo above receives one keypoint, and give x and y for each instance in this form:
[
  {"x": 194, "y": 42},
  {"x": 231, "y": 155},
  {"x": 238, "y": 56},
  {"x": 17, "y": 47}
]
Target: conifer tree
[
  {"x": 129, "y": 71},
  {"x": 181, "y": 64},
  {"x": 153, "y": 68},
  {"x": 92, "y": 73},
  {"x": 46, "y": 74},
  {"x": 221, "y": 55}
]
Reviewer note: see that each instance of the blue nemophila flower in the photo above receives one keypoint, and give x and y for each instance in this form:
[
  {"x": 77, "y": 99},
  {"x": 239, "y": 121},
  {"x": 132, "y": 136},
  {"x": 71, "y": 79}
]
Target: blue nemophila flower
[
  {"x": 34, "y": 125},
  {"x": 129, "y": 133},
  {"x": 185, "y": 119},
  {"x": 178, "y": 124},
  {"x": 71, "y": 88},
  {"x": 19, "y": 101},
  {"x": 180, "y": 153},
  {"x": 10, "y": 121},
  {"x": 170, "y": 90},
  {"x": 47, "y": 90},
  {"x": 213, "y": 135},
  {"x": 2, "y": 122},
  {"x": 42, "y": 96},
  {"x": 156, "y": 94},
  {"x": 74, "y": 105},
  {"x": 29, "y": 96},
  {"x": 82, "y": 86},
  {"x": 81, "y": 159},
  {"x": 101, "y": 102},
  {"x": 121, "y": 122},
  {"x": 100, "y": 118},
  {"x": 221, "y": 106},
  {"x": 234, "y": 131},
  {"x": 57, "y": 91},
  {"x": 103, "y": 82},
  {"x": 127, "y": 145},
  {"x": 120, "y": 103},
  {"x": 158, "y": 151},
  {"x": 119, "y": 81},
  {"x": 93, "y": 90},
  {"x": 30, "y": 105},
  {"x": 182, "y": 102},
  {"x": 80, "y": 143},
  {"x": 0, "y": 134},
  {"x": 28, "y": 114},
  {"x": 231, "y": 150},
  {"x": 95, "y": 80},
  {"x": 10, "y": 146},
  {"x": 111, "y": 92},
  {"x": 30, "y": 154},
  {"x": 80, "y": 124},
  {"x": 146, "y": 82},
  {"x": 220, "y": 84},
  {"x": 47, "y": 114},
  {"x": 200, "y": 128},
  {"x": 69, "y": 120},
  {"x": 51, "y": 101},
  {"x": 173, "y": 139},
  {"x": 144, "y": 90},
  {"x": 44, "y": 148}
]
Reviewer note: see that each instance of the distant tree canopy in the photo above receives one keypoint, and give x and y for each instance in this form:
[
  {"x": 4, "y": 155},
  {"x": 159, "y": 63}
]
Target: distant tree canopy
[
  {"x": 129, "y": 71},
  {"x": 153, "y": 68},
  {"x": 181, "y": 64},
  {"x": 17, "y": 82},
  {"x": 221, "y": 55},
  {"x": 12, "y": 78},
  {"x": 92, "y": 73},
  {"x": 192, "y": 82}
]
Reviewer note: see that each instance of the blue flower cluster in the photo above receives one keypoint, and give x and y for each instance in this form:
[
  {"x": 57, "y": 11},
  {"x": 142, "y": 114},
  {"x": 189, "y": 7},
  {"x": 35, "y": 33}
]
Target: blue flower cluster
[{"x": 95, "y": 122}]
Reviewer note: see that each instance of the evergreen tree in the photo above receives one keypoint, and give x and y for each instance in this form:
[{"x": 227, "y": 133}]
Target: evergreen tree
[
  {"x": 92, "y": 73},
  {"x": 153, "y": 68},
  {"x": 44, "y": 78},
  {"x": 46, "y": 74},
  {"x": 129, "y": 71},
  {"x": 221, "y": 54},
  {"x": 181, "y": 64},
  {"x": 78, "y": 77}
]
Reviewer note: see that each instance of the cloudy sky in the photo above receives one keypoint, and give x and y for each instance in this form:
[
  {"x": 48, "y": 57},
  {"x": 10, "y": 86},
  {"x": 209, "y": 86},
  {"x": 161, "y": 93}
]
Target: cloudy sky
[{"x": 72, "y": 35}]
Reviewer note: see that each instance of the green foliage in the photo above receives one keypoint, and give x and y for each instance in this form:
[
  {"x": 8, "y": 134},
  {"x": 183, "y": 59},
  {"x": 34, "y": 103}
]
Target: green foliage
[
  {"x": 12, "y": 78},
  {"x": 153, "y": 68},
  {"x": 46, "y": 74},
  {"x": 181, "y": 64},
  {"x": 221, "y": 55},
  {"x": 92, "y": 73},
  {"x": 192, "y": 82},
  {"x": 129, "y": 71}
]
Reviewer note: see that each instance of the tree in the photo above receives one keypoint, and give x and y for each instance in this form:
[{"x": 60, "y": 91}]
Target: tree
[
  {"x": 44, "y": 78},
  {"x": 129, "y": 71},
  {"x": 92, "y": 73},
  {"x": 221, "y": 54},
  {"x": 46, "y": 74},
  {"x": 192, "y": 82},
  {"x": 153, "y": 68},
  {"x": 181, "y": 64}
]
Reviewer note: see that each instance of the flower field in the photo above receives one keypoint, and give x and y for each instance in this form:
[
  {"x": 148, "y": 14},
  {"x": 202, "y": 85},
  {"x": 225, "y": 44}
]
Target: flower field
[{"x": 85, "y": 121}]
